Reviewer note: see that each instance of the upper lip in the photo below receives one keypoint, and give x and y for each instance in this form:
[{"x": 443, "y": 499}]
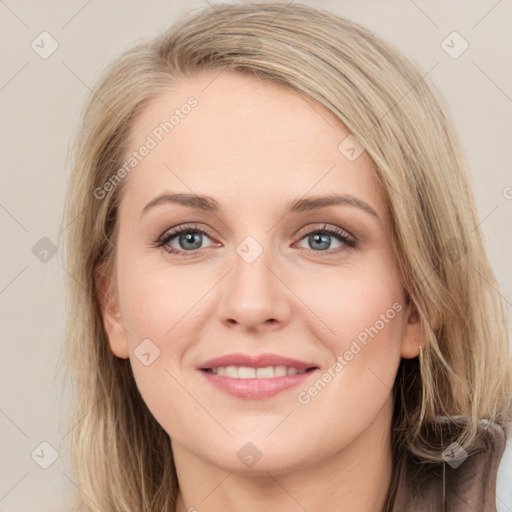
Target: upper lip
[{"x": 259, "y": 361}]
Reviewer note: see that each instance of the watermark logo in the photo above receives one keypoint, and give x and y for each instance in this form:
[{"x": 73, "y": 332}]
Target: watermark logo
[
  {"x": 454, "y": 455},
  {"x": 454, "y": 249},
  {"x": 351, "y": 148},
  {"x": 147, "y": 352},
  {"x": 342, "y": 360},
  {"x": 44, "y": 45},
  {"x": 44, "y": 250},
  {"x": 249, "y": 249},
  {"x": 152, "y": 140},
  {"x": 44, "y": 455},
  {"x": 454, "y": 45},
  {"x": 249, "y": 455}
]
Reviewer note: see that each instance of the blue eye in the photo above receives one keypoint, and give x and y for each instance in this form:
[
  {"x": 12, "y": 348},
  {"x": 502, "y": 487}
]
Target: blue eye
[
  {"x": 321, "y": 239},
  {"x": 190, "y": 238}
]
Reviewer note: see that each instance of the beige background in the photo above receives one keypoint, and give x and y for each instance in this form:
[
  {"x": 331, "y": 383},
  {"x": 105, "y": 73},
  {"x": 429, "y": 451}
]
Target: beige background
[{"x": 40, "y": 100}]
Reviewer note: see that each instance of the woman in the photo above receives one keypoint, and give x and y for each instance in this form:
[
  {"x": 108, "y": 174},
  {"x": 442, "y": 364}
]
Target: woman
[{"x": 332, "y": 339}]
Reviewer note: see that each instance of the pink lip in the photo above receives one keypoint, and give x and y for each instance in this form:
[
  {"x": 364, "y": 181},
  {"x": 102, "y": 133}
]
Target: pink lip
[
  {"x": 255, "y": 388},
  {"x": 260, "y": 361}
]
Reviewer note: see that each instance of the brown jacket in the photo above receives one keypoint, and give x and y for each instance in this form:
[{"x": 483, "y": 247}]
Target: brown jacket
[{"x": 469, "y": 483}]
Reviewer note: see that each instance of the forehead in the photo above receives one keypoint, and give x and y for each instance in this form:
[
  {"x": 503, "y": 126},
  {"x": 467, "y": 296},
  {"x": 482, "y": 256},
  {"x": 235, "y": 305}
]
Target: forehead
[{"x": 245, "y": 142}]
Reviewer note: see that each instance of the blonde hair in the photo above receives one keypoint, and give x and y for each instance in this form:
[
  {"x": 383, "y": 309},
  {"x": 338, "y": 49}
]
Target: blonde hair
[{"x": 122, "y": 457}]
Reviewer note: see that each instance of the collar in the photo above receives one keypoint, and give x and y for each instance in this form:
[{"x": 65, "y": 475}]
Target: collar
[{"x": 465, "y": 482}]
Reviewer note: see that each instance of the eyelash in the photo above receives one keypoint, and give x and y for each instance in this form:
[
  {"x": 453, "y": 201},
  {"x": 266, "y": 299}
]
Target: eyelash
[{"x": 164, "y": 239}]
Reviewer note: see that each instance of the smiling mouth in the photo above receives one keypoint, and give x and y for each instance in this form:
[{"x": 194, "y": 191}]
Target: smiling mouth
[{"x": 247, "y": 372}]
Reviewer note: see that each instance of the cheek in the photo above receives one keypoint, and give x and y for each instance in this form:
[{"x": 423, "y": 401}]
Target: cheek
[
  {"x": 354, "y": 302},
  {"x": 157, "y": 310},
  {"x": 158, "y": 299},
  {"x": 362, "y": 323},
  {"x": 162, "y": 309}
]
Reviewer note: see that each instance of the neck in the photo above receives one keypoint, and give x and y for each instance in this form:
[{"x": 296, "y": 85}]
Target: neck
[{"x": 354, "y": 479}]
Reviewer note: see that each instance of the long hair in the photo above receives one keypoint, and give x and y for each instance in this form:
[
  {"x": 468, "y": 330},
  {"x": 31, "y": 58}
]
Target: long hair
[{"x": 122, "y": 457}]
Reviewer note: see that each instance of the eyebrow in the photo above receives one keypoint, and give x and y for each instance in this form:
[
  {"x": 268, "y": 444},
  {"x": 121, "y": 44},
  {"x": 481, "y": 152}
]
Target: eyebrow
[{"x": 208, "y": 204}]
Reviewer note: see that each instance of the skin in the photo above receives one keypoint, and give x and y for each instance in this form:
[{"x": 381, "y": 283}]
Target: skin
[{"x": 254, "y": 146}]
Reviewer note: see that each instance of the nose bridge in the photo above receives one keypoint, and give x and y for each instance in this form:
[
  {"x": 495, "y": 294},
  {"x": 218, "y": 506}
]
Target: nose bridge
[
  {"x": 252, "y": 294},
  {"x": 251, "y": 273}
]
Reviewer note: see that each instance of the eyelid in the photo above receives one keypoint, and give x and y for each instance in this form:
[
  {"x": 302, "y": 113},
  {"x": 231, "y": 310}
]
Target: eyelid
[
  {"x": 182, "y": 227},
  {"x": 302, "y": 232},
  {"x": 175, "y": 231},
  {"x": 323, "y": 226}
]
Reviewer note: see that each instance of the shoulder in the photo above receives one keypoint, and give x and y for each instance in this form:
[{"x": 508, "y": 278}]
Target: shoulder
[{"x": 464, "y": 482}]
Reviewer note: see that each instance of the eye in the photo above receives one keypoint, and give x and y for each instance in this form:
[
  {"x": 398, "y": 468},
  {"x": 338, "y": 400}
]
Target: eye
[
  {"x": 188, "y": 238},
  {"x": 321, "y": 239}
]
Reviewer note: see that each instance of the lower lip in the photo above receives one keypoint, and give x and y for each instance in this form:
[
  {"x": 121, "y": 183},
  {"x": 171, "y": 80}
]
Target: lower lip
[{"x": 256, "y": 388}]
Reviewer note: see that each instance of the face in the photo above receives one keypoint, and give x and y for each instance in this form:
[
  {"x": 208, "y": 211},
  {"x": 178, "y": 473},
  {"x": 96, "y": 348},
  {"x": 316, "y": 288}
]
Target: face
[{"x": 314, "y": 289}]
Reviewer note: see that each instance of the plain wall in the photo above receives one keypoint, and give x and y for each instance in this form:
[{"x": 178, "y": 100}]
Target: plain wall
[{"x": 40, "y": 100}]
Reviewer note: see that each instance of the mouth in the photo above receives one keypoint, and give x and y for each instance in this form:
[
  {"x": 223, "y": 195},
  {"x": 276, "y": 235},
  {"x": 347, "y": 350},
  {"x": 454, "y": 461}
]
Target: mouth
[
  {"x": 248, "y": 372},
  {"x": 250, "y": 377}
]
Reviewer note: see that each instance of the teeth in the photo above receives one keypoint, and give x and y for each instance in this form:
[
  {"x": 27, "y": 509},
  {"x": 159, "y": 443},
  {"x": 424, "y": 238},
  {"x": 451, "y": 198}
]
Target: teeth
[
  {"x": 245, "y": 372},
  {"x": 265, "y": 373}
]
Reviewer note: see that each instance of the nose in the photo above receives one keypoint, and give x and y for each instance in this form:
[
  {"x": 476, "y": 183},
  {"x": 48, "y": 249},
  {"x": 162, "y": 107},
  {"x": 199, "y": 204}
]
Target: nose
[{"x": 254, "y": 295}]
